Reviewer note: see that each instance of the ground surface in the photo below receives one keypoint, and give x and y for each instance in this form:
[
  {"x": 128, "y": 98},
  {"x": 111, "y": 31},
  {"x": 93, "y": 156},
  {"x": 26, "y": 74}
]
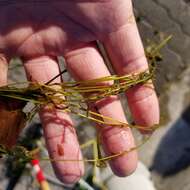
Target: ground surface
[
  {"x": 173, "y": 84},
  {"x": 170, "y": 17}
]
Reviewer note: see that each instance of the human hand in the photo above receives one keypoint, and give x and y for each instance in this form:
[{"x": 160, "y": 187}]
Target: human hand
[{"x": 38, "y": 32}]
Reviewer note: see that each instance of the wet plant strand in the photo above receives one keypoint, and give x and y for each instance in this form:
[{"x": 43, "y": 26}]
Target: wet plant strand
[{"x": 91, "y": 90}]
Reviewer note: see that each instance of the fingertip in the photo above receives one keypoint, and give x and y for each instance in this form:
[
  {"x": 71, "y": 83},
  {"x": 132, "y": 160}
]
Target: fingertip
[
  {"x": 71, "y": 175},
  {"x": 124, "y": 165},
  {"x": 68, "y": 179},
  {"x": 116, "y": 141}
]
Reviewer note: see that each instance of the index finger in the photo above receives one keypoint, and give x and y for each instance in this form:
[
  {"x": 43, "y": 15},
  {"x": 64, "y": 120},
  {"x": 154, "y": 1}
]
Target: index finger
[
  {"x": 127, "y": 55},
  {"x": 59, "y": 132}
]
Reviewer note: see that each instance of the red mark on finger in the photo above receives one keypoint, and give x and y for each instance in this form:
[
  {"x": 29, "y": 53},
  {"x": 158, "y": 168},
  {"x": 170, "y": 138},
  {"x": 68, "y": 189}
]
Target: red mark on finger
[{"x": 60, "y": 149}]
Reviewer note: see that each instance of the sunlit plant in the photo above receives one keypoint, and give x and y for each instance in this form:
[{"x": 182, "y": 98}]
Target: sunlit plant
[{"x": 14, "y": 97}]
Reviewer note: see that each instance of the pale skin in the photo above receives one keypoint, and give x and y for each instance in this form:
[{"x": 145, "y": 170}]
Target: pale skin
[{"x": 38, "y": 32}]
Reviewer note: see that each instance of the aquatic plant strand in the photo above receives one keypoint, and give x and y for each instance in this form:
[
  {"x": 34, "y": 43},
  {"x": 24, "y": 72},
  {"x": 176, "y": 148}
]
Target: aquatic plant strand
[{"x": 77, "y": 96}]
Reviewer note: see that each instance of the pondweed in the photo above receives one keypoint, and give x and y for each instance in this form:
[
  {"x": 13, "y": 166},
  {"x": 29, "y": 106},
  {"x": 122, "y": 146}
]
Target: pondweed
[{"x": 77, "y": 96}]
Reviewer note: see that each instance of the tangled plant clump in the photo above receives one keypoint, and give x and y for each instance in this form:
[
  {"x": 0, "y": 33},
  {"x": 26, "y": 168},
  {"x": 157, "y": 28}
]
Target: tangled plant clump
[{"x": 77, "y": 97}]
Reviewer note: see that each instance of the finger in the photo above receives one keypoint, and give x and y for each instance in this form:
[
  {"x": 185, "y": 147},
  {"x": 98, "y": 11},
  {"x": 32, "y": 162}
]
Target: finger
[
  {"x": 84, "y": 64},
  {"x": 127, "y": 56},
  {"x": 58, "y": 128},
  {"x": 3, "y": 70}
]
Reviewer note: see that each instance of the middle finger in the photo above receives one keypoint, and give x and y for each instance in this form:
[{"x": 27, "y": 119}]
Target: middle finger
[{"x": 86, "y": 63}]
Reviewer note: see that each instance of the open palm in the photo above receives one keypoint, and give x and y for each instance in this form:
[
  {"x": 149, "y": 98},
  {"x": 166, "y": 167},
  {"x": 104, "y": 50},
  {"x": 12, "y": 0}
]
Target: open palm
[{"x": 40, "y": 31}]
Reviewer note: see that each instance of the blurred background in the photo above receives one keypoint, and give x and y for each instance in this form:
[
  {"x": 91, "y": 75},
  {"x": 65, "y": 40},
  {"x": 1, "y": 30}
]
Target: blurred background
[{"x": 167, "y": 153}]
